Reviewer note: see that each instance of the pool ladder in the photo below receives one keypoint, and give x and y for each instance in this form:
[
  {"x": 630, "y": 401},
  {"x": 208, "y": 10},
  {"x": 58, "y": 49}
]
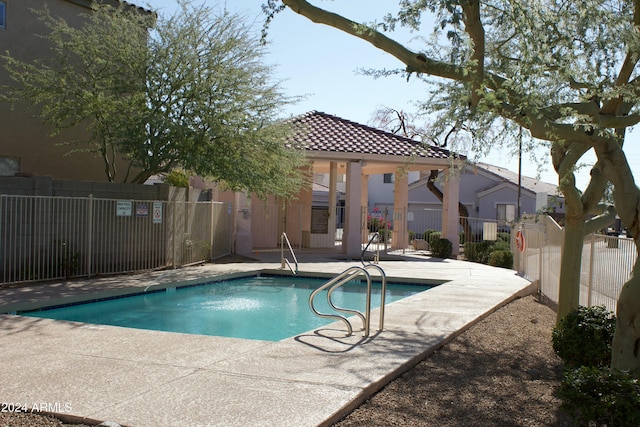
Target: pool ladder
[
  {"x": 283, "y": 261},
  {"x": 350, "y": 274}
]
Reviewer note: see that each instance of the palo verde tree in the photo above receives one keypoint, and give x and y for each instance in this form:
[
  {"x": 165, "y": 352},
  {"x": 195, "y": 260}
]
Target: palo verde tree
[
  {"x": 564, "y": 72},
  {"x": 188, "y": 91}
]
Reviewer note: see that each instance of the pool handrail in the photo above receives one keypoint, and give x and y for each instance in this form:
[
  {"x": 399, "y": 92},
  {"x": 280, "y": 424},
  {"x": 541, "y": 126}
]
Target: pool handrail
[
  {"x": 376, "y": 258},
  {"x": 342, "y": 278},
  {"x": 283, "y": 260}
]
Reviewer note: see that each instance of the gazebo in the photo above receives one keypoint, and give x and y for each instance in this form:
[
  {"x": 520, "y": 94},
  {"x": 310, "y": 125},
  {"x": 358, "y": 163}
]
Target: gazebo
[{"x": 337, "y": 146}]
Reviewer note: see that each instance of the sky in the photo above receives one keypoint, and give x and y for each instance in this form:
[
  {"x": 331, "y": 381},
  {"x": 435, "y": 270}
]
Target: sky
[{"x": 322, "y": 63}]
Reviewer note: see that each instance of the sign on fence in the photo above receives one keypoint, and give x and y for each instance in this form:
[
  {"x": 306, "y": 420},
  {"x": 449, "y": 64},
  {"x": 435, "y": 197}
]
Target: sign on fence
[
  {"x": 157, "y": 212},
  {"x": 142, "y": 210},
  {"x": 123, "y": 208}
]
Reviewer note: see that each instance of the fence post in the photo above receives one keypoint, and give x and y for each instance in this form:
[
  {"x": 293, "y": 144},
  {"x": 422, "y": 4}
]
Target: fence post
[
  {"x": 541, "y": 257},
  {"x": 211, "y": 223},
  {"x": 89, "y": 234},
  {"x": 175, "y": 235},
  {"x": 590, "y": 286}
]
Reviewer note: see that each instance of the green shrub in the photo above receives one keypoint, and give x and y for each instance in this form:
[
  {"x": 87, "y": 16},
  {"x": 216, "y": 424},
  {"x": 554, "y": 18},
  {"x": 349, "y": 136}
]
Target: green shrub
[
  {"x": 478, "y": 251},
  {"x": 481, "y": 251},
  {"x": 427, "y": 234},
  {"x": 501, "y": 258},
  {"x": 433, "y": 236},
  {"x": 441, "y": 248},
  {"x": 412, "y": 235},
  {"x": 583, "y": 337},
  {"x": 504, "y": 236},
  {"x": 177, "y": 178},
  {"x": 600, "y": 396}
]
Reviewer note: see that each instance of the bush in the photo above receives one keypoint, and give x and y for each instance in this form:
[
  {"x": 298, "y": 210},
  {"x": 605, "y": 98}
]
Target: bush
[
  {"x": 441, "y": 248},
  {"x": 501, "y": 258},
  {"x": 478, "y": 251},
  {"x": 481, "y": 251},
  {"x": 504, "y": 236},
  {"x": 601, "y": 396},
  {"x": 177, "y": 178},
  {"x": 432, "y": 236},
  {"x": 427, "y": 234},
  {"x": 584, "y": 336}
]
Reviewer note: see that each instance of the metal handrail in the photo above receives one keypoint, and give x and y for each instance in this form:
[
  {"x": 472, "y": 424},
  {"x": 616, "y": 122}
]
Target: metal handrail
[
  {"x": 377, "y": 256},
  {"x": 342, "y": 278},
  {"x": 283, "y": 260},
  {"x": 383, "y": 293}
]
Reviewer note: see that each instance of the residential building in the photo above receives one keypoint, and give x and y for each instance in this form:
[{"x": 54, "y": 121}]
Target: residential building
[
  {"x": 487, "y": 191},
  {"x": 26, "y": 146}
]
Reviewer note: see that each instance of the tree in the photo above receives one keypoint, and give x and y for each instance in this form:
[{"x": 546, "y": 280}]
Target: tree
[
  {"x": 398, "y": 121},
  {"x": 564, "y": 72},
  {"x": 191, "y": 93},
  {"x": 94, "y": 78}
]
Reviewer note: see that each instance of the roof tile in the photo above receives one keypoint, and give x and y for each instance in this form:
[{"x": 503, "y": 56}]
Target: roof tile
[{"x": 317, "y": 131}]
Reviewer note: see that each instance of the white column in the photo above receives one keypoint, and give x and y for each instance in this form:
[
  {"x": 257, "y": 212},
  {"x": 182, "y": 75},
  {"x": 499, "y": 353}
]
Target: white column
[
  {"x": 352, "y": 237},
  {"x": 333, "y": 200},
  {"x": 364, "y": 202},
  {"x": 243, "y": 237},
  {"x": 400, "y": 236},
  {"x": 450, "y": 214}
]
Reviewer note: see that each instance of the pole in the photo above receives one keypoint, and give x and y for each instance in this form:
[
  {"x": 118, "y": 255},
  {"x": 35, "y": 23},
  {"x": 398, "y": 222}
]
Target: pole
[{"x": 519, "y": 170}]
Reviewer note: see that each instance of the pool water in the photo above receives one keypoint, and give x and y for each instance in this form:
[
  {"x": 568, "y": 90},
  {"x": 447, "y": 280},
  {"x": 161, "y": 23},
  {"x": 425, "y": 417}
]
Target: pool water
[{"x": 267, "y": 308}]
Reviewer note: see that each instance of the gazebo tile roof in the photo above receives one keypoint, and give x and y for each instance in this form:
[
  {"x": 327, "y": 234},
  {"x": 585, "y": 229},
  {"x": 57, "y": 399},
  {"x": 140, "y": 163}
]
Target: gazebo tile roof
[{"x": 317, "y": 131}]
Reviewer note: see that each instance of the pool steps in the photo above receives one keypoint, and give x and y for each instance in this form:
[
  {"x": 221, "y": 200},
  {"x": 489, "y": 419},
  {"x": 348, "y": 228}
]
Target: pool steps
[{"x": 347, "y": 275}]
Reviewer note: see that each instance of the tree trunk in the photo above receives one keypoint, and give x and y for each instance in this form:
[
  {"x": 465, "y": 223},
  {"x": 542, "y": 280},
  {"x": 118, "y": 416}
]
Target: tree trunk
[
  {"x": 569, "y": 284},
  {"x": 626, "y": 341},
  {"x": 463, "y": 212}
]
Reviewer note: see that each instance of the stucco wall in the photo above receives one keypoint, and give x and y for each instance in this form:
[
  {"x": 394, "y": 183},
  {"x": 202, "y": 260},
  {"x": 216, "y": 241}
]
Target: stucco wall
[{"x": 24, "y": 136}]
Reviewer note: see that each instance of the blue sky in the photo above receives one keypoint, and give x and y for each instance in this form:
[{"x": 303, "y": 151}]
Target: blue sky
[{"x": 321, "y": 63}]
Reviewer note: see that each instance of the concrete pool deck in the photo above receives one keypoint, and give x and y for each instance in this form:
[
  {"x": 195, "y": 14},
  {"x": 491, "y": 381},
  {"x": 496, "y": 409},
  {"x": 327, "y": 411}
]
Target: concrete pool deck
[{"x": 149, "y": 378}]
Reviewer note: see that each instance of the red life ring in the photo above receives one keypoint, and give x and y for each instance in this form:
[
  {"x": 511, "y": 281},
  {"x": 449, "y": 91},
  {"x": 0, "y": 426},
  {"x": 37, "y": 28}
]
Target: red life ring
[{"x": 520, "y": 242}]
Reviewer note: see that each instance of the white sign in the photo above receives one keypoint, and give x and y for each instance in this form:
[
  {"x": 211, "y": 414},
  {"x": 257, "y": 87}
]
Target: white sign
[
  {"x": 123, "y": 208},
  {"x": 157, "y": 212}
]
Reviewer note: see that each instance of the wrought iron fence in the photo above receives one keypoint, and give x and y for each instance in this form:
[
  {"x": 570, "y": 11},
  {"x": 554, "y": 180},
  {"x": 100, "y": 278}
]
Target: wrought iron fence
[
  {"x": 606, "y": 264},
  {"x": 44, "y": 238}
]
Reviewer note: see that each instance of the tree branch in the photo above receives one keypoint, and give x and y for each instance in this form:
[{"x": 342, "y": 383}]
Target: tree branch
[
  {"x": 473, "y": 27},
  {"x": 415, "y": 62}
]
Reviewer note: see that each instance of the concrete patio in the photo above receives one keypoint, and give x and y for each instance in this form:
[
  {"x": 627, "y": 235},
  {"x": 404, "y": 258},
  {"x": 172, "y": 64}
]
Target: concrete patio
[{"x": 150, "y": 378}]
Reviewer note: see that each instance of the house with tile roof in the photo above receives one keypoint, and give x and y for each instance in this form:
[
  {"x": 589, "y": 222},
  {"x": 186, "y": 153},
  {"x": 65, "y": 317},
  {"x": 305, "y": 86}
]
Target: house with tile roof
[{"x": 27, "y": 147}]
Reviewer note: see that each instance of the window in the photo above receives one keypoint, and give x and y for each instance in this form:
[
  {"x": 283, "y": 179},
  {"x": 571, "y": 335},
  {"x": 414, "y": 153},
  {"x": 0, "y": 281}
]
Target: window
[
  {"x": 9, "y": 166},
  {"x": 388, "y": 178},
  {"x": 505, "y": 212},
  {"x": 3, "y": 14}
]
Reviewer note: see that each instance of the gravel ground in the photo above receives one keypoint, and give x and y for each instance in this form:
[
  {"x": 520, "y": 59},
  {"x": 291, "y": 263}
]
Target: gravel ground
[{"x": 501, "y": 372}]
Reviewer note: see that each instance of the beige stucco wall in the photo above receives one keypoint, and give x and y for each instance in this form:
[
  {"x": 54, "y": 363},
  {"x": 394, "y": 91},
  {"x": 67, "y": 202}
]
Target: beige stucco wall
[{"x": 26, "y": 137}]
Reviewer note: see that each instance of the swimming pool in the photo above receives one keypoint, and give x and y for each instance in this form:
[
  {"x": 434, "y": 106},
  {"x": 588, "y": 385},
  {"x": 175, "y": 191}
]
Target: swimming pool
[{"x": 268, "y": 308}]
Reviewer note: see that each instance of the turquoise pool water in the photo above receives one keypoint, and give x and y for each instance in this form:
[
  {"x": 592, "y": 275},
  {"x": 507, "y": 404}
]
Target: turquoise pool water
[{"x": 259, "y": 307}]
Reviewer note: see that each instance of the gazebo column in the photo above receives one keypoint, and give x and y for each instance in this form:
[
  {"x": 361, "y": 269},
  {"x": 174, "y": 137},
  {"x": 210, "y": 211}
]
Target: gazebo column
[
  {"x": 450, "y": 214},
  {"x": 333, "y": 200},
  {"x": 352, "y": 237},
  {"x": 364, "y": 201},
  {"x": 299, "y": 219},
  {"x": 400, "y": 236},
  {"x": 243, "y": 235}
]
